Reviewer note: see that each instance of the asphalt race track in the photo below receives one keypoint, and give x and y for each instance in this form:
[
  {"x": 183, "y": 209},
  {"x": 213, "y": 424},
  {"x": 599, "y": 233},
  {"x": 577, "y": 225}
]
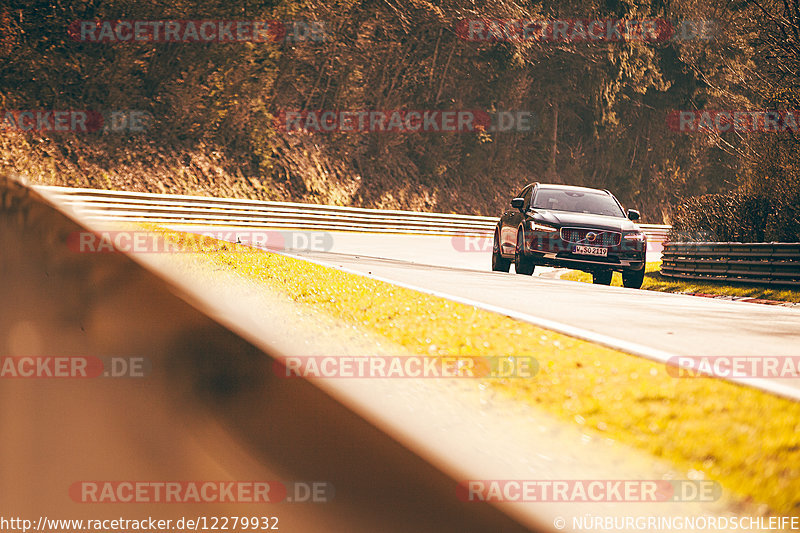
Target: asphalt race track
[{"x": 653, "y": 324}]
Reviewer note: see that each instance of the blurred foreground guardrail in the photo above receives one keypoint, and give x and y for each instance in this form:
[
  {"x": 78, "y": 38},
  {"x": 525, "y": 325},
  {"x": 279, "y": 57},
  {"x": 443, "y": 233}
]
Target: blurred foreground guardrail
[
  {"x": 756, "y": 263},
  {"x": 212, "y": 408},
  {"x": 97, "y": 205}
]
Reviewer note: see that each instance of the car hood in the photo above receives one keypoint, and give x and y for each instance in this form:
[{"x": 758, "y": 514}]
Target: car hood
[{"x": 583, "y": 220}]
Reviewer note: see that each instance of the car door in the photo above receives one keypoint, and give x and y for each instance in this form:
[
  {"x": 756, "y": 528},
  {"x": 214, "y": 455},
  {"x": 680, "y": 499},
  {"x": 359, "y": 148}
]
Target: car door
[{"x": 510, "y": 221}]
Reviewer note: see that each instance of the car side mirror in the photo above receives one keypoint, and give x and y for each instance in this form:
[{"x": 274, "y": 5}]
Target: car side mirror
[
  {"x": 633, "y": 214},
  {"x": 517, "y": 203}
]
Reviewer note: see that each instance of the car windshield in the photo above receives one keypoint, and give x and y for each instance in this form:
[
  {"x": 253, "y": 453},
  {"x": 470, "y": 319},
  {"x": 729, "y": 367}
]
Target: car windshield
[{"x": 594, "y": 203}]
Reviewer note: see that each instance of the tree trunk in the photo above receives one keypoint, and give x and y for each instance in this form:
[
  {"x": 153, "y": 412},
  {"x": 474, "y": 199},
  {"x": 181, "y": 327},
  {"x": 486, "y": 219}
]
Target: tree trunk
[{"x": 552, "y": 173}]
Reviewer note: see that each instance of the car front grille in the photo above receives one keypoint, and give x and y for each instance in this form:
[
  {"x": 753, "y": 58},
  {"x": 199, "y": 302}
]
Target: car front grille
[{"x": 579, "y": 236}]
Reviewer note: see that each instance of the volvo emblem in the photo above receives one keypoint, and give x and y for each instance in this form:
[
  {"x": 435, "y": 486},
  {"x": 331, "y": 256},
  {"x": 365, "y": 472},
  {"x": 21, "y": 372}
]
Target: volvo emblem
[{"x": 591, "y": 236}]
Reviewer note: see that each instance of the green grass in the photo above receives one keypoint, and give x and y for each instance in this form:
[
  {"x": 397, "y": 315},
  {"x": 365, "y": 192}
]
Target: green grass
[
  {"x": 654, "y": 281},
  {"x": 746, "y": 439}
]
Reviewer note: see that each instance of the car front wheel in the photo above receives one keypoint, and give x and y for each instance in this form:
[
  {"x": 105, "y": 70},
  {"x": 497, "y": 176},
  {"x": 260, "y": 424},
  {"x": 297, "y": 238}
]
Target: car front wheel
[
  {"x": 633, "y": 279},
  {"x": 522, "y": 263},
  {"x": 499, "y": 263}
]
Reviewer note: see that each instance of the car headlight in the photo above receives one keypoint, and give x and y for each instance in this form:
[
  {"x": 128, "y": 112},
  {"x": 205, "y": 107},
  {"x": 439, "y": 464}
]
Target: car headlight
[
  {"x": 637, "y": 236},
  {"x": 541, "y": 227}
]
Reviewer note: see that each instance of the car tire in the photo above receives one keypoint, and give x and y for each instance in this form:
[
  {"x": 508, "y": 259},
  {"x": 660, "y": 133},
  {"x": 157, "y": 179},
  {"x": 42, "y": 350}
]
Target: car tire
[
  {"x": 633, "y": 279},
  {"x": 499, "y": 263},
  {"x": 602, "y": 277},
  {"x": 522, "y": 263}
]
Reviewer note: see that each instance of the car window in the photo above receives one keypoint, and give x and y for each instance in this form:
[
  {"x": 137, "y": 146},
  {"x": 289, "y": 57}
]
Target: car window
[
  {"x": 595, "y": 203},
  {"x": 527, "y": 197},
  {"x": 524, "y": 191}
]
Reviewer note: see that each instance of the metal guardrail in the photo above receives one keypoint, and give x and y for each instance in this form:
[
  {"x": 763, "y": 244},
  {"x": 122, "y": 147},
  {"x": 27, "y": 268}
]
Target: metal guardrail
[
  {"x": 771, "y": 263},
  {"x": 208, "y": 372},
  {"x": 97, "y": 205}
]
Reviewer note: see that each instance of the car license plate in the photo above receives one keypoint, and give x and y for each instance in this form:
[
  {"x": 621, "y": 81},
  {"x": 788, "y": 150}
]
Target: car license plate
[{"x": 591, "y": 250}]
